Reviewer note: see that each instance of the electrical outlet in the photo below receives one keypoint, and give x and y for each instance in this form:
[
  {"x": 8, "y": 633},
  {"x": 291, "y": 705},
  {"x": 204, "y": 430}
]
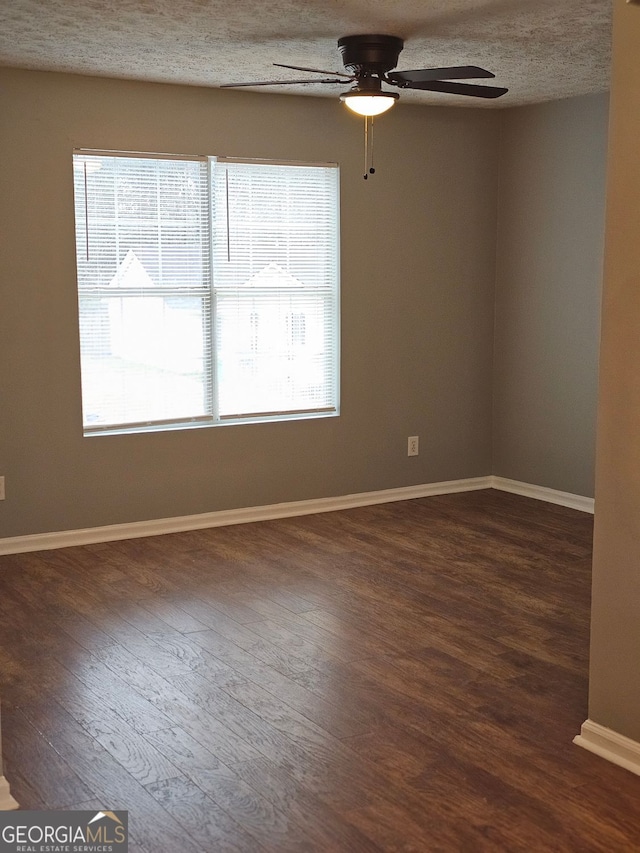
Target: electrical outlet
[
  {"x": 1, "y": 488},
  {"x": 413, "y": 445}
]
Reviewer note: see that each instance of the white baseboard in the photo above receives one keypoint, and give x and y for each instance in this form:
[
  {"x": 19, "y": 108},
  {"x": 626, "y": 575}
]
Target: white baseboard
[
  {"x": 609, "y": 744},
  {"x": 541, "y": 493},
  {"x": 7, "y": 803},
  {"x": 245, "y": 515},
  {"x": 156, "y": 527}
]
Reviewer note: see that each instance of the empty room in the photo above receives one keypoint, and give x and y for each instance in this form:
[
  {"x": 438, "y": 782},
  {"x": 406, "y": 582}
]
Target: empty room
[{"x": 319, "y": 426}]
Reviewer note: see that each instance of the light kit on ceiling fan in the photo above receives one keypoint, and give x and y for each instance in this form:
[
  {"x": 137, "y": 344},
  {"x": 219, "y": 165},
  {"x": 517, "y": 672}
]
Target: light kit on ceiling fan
[
  {"x": 369, "y": 60},
  {"x": 366, "y": 98},
  {"x": 365, "y": 104}
]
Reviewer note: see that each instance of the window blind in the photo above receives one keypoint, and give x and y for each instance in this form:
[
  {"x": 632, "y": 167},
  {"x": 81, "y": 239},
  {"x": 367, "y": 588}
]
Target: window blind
[
  {"x": 207, "y": 289},
  {"x": 275, "y": 239},
  {"x": 143, "y": 261}
]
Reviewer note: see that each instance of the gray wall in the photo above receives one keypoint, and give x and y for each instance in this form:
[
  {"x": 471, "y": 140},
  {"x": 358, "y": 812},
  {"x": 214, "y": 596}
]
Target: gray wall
[
  {"x": 418, "y": 272},
  {"x": 550, "y": 238},
  {"x": 614, "y": 688}
]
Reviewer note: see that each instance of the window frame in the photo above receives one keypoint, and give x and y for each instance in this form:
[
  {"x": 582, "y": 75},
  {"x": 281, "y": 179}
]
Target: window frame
[{"x": 210, "y": 373}]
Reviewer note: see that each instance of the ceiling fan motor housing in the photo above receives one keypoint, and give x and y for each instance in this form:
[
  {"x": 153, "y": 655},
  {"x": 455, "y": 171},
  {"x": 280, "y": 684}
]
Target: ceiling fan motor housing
[{"x": 370, "y": 54}]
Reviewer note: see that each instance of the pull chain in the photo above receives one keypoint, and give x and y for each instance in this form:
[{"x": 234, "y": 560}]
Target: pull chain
[{"x": 368, "y": 147}]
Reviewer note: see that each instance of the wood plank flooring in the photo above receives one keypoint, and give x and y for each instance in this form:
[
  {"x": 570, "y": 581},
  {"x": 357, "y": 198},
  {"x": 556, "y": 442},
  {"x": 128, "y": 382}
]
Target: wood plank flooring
[{"x": 404, "y": 677}]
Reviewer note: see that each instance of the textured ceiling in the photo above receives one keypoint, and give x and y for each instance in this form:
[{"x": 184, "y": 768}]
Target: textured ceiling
[{"x": 539, "y": 49}]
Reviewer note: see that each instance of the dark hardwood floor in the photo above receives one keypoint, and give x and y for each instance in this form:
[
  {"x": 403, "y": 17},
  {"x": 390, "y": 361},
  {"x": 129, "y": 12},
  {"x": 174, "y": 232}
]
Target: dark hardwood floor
[{"x": 403, "y": 677}]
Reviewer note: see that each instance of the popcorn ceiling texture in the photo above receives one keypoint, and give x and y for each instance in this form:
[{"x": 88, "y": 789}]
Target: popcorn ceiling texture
[{"x": 540, "y": 49}]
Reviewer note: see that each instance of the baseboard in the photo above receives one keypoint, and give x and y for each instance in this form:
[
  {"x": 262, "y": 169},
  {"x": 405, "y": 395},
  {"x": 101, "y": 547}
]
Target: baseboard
[
  {"x": 245, "y": 515},
  {"x": 156, "y": 527},
  {"x": 609, "y": 744},
  {"x": 7, "y": 803},
  {"x": 541, "y": 493}
]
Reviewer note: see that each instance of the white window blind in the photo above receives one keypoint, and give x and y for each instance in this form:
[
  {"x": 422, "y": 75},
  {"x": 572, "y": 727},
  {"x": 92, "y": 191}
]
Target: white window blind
[
  {"x": 207, "y": 289},
  {"x": 275, "y": 267}
]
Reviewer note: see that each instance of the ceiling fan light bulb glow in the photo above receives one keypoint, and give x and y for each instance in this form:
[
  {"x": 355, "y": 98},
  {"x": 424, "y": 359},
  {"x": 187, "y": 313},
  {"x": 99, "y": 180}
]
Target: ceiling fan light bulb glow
[{"x": 369, "y": 105}]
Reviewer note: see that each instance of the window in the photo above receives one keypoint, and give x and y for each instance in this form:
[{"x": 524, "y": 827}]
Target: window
[{"x": 207, "y": 290}]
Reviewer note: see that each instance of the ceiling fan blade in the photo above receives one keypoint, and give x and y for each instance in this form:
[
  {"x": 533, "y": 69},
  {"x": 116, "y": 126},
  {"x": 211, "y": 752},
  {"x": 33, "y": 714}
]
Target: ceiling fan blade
[
  {"x": 314, "y": 70},
  {"x": 279, "y": 83},
  {"x": 423, "y": 75},
  {"x": 450, "y": 88}
]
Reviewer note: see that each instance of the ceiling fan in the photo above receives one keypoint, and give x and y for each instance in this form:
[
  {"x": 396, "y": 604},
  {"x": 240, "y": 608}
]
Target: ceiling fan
[{"x": 369, "y": 60}]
